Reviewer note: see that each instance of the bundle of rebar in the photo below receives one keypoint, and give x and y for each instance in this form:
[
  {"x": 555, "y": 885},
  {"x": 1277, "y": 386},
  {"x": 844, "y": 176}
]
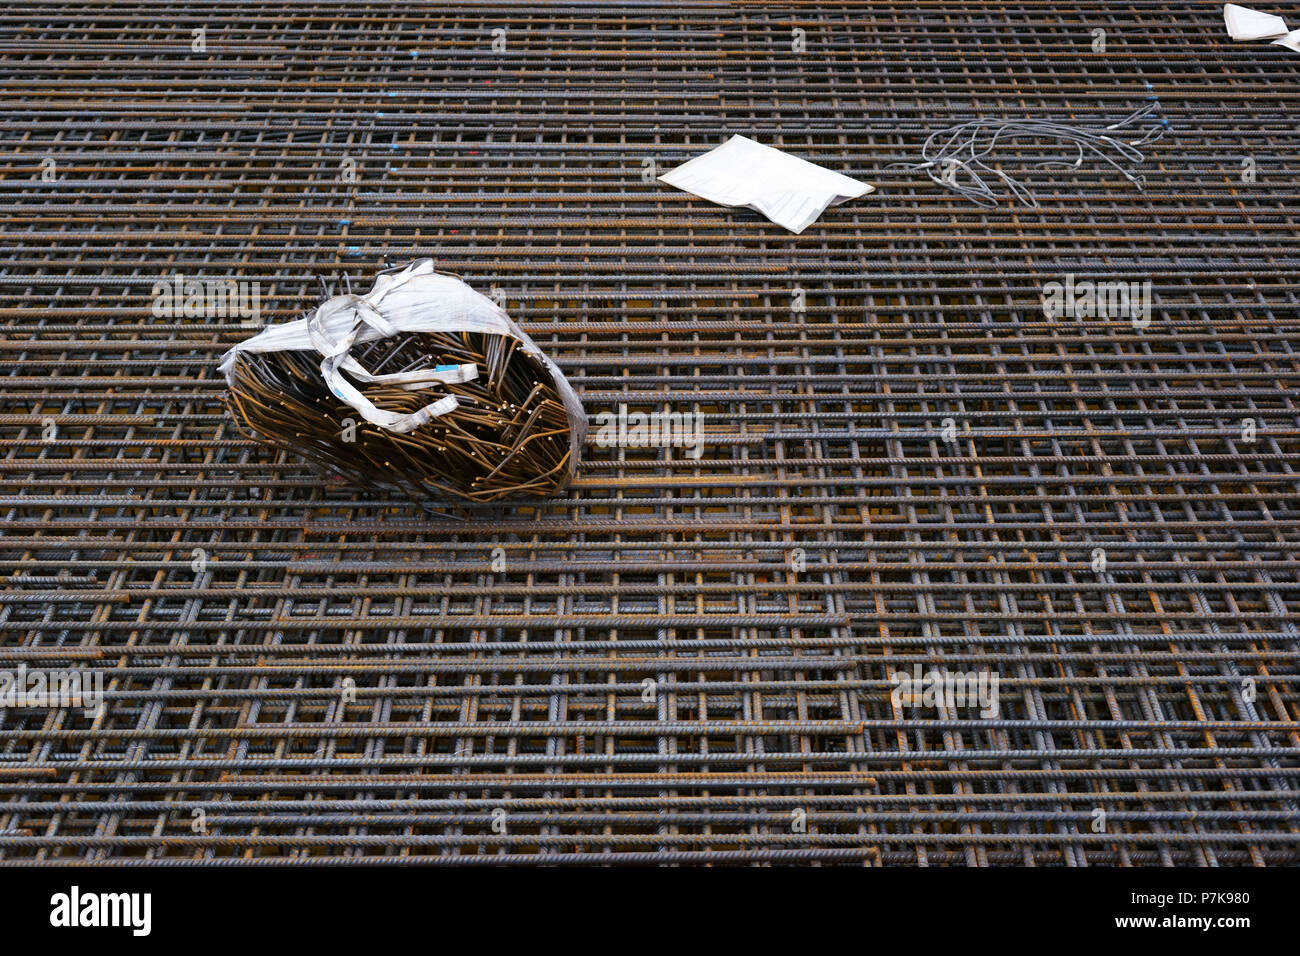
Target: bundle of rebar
[{"x": 504, "y": 430}]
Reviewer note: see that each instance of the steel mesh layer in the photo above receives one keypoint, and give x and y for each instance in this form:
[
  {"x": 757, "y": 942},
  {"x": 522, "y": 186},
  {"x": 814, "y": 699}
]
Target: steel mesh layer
[{"x": 678, "y": 660}]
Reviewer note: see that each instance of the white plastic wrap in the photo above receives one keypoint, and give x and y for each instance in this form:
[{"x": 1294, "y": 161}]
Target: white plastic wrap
[
  {"x": 1291, "y": 41},
  {"x": 1244, "y": 23},
  {"x": 790, "y": 191}
]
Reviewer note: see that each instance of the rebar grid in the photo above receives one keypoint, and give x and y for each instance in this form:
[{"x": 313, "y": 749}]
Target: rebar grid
[{"x": 676, "y": 660}]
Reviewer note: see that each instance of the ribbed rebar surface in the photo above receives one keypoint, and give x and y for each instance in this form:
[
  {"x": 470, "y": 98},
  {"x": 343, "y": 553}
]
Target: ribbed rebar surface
[{"x": 678, "y": 660}]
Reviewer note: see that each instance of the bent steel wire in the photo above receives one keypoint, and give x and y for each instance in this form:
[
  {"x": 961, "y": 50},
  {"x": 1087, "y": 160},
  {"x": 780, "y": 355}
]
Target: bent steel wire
[{"x": 967, "y": 158}]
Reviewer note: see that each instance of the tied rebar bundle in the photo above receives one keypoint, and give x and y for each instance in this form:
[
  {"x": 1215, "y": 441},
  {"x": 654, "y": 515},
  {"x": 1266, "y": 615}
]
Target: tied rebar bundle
[{"x": 422, "y": 384}]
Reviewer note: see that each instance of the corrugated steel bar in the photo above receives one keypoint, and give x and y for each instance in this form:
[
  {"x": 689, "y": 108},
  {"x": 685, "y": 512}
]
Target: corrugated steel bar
[{"x": 908, "y": 464}]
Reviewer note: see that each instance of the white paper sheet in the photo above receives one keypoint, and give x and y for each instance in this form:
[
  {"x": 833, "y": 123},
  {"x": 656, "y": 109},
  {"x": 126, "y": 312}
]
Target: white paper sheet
[
  {"x": 1246, "y": 24},
  {"x": 787, "y": 190},
  {"x": 1291, "y": 41}
]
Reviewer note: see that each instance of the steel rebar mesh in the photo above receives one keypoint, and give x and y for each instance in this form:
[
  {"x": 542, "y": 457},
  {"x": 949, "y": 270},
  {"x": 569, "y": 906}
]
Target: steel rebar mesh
[{"x": 678, "y": 659}]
